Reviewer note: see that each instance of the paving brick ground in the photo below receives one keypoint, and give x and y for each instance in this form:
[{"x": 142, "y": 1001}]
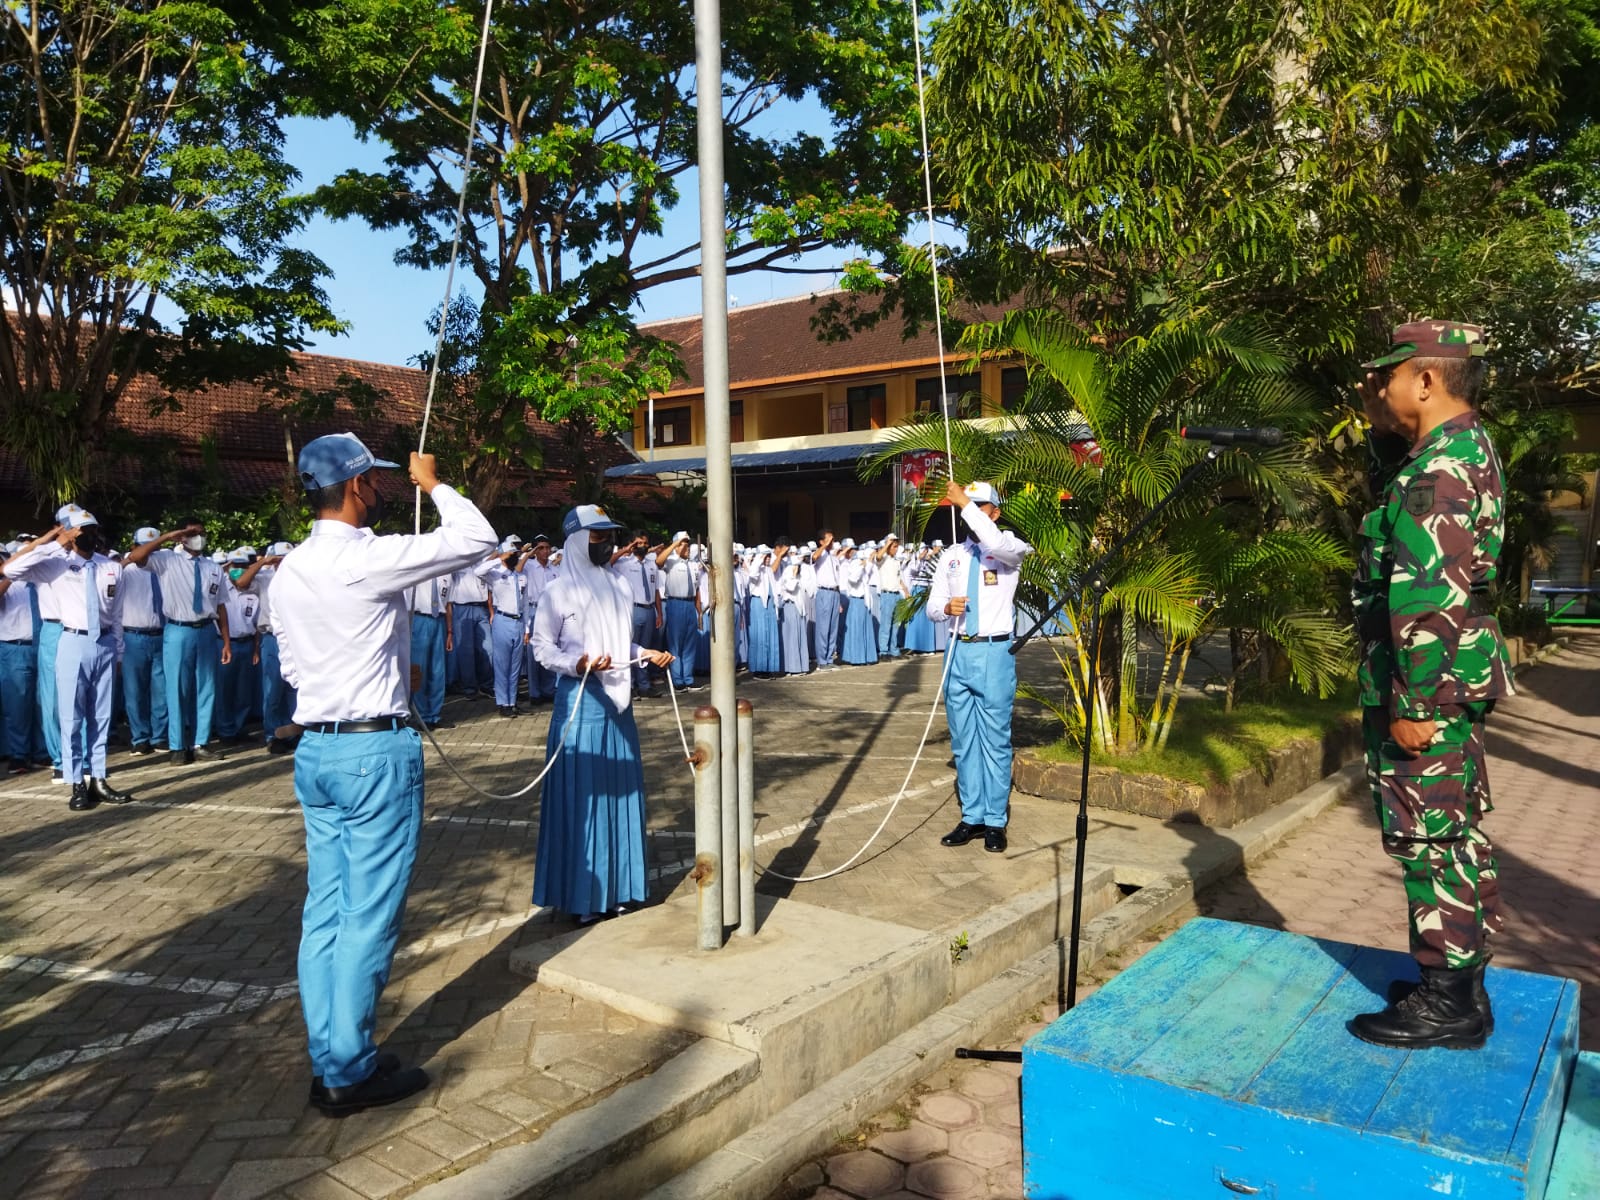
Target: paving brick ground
[
  {"x": 150, "y": 1037},
  {"x": 958, "y": 1135}
]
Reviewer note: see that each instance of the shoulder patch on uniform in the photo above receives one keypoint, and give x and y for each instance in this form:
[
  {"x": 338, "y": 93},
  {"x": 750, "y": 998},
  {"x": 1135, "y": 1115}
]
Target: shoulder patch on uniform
[{"x": 1419, "y": 499}]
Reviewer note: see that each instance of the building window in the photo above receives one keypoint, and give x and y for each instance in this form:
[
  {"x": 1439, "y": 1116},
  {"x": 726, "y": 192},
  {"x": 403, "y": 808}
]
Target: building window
[
  {"x": 965, "y": 400},
  {"x": 863, "y": 408},
  {"x": 1013, "y": 386},
  {"x": 673, "y": 427},
  {"x": 736, "y": 420}
]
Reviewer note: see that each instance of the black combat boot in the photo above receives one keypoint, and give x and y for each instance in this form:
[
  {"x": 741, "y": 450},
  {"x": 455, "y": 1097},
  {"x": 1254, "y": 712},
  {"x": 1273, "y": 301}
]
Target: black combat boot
[
  {"x": 1399, "y": 989},
  {"x": 1441, "y": 1011}
]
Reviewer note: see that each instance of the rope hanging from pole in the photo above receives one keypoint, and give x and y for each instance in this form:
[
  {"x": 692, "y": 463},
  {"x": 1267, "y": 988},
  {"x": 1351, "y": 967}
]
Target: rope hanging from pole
[{"x": 455, "y": 246}]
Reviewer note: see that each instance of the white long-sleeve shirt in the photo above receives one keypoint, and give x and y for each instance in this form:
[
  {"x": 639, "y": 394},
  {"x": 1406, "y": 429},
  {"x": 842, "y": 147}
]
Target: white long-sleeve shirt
[
  {"x": 340, "y": 608},
  {"x": 1000, "y": 553},
  {"x": 58, "y": 573}
]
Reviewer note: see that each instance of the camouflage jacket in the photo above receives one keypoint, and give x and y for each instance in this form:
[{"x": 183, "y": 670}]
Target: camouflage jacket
[{"x": 1428, "y": 556}]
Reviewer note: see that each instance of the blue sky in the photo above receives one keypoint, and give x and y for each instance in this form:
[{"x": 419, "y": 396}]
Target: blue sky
[{"x": 386, "y": 305}]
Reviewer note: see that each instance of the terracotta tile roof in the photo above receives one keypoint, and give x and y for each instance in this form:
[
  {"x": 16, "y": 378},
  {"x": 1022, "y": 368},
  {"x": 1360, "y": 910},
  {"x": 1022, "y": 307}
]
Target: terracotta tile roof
[{"x": 778, "y": 341}]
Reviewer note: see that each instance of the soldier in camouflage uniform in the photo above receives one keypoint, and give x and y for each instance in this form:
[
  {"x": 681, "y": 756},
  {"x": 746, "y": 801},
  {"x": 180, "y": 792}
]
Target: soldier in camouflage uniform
[{"x": 1433, "y": 663}]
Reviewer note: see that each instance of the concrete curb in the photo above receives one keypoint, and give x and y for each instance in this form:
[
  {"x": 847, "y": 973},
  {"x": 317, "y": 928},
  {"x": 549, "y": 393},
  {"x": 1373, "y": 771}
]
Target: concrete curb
[{"x": 755, "y": 1164}]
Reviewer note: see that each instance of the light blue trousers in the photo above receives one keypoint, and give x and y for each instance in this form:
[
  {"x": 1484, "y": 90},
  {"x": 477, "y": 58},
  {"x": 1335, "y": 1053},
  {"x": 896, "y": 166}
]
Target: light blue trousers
[
  {"x": 49, "y": 709},
  {"x": 277, "y": 697},
  {"x": 84, "y": 669},
  {"x": 471, "y": 653},
  {"x": 505, "y": 651},
  {"x": 644, "y": 629},
  {"x": 361, "y": 794},
  {"x": 978, "y": 697},
  {"x": 683, "y": 640},
  {"x": 827, "y": 619},
  {"x": 427, "y": 655},
  {"x": 190, "y": 657},
  {"x": 144, "y": 687},
  {"x": 18, "y": 665},
  {"x": 888, "y": 631}
]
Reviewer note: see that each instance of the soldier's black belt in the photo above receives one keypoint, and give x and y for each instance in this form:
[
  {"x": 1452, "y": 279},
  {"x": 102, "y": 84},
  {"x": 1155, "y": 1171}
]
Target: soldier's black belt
[{"x": 371, "y": 725}]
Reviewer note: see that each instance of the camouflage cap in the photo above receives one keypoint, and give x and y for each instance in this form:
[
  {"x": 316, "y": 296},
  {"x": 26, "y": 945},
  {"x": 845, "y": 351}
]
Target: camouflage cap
[{"x": 1432, "y": 339}]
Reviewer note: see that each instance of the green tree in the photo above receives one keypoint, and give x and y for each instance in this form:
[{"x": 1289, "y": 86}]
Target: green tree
[
  {"x": 149, "y": 218},
  {"x": 1208, "y": 565},
  {"x": 586, "y": 135}
]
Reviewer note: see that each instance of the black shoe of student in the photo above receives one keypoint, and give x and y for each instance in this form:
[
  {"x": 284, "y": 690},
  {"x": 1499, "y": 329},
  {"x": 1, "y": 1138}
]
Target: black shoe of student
[
  {"x": 18, "y": 766},
  {"x": 103, "y": 790},
  {"x": 206, "y": 754},
  {"x": 994, "y": 839},
  {"x": 380, "y": 1088},
  {"x": 55, "y": 775},
  {"x": 962, "y": 834},
  {"x": 508, "y": 710},
  {"x": 385, "y": 1062},
  {"x": 180, "y": 758},
  {"x": 83, "y": 799},
  {"x": 143, "y": 749}
]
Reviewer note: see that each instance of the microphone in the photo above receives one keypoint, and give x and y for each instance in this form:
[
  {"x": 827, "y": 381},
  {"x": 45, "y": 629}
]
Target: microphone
[{"x": 1267, "y": 435}]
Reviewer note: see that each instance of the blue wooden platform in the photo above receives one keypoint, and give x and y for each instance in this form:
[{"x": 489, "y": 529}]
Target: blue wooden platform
[{"x": 1219, "y": 1065}]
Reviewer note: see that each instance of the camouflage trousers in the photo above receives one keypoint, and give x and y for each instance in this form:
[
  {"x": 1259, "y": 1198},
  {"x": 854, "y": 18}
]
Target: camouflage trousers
[{"x": 1430, "y": 808}]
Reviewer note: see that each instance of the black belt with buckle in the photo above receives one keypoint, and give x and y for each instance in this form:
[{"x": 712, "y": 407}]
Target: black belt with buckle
[
  {"x": 83, "y": 632},
  {"x": 51, "y": 620},
  {"x": 643, "y": 604},
  {"x": 369, "y": 725},
  {"x": 998, "y": 637},
  {"x": 470, "y": 603},
  {"x": 17, "y": 642},
  {"x": 131, "y": 629},
  {"x": 192, "y": 624}
]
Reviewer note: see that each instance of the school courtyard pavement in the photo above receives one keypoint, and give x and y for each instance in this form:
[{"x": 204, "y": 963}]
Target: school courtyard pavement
[
  {"x": 958, "y": 1134},
  {"x": 150, "y": 1038}
]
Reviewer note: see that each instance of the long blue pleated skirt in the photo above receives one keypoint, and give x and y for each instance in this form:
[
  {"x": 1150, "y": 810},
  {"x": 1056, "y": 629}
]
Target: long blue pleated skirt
[
  {"x": 860, "y": 633},
  {"x": 920, "y": 632},
  {"x": 591, "y": 808},
  {"x": 794, "y": 639},
  {"x": 766, "y": 656}
]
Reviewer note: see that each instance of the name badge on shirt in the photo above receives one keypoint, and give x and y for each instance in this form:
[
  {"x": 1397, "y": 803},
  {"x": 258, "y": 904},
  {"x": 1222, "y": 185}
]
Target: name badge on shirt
[
  {"x": 212, "y": 590},
  {"x": 991, "y": 578}
]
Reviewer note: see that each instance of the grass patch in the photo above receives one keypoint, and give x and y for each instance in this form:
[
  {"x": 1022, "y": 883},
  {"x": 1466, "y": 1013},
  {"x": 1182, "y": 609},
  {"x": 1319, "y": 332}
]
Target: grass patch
[{"x": 1209, "y": 745}]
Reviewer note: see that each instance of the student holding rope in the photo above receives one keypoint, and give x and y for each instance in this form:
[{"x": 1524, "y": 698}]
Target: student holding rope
[
  {"x": 591, "y": 861},
  {"x": 341, "y": 609}
]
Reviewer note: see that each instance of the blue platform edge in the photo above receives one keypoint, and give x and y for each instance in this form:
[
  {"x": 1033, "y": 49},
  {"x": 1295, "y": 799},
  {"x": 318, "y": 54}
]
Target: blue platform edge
[
  {"x": 1221, "y": 1062},
  {"x": 1576, "y": 1173}
]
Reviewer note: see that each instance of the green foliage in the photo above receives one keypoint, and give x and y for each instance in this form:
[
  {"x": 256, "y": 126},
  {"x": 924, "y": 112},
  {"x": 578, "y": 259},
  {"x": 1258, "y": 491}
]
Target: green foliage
[
  {"x": 1208, "y": 565},
  {"x": 141, "y": 166},
  {"x": 587, "y": 128}
]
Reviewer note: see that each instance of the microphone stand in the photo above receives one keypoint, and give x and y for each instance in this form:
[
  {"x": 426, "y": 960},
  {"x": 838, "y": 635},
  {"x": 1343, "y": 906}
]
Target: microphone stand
[{"x": 1095, "y": 580}]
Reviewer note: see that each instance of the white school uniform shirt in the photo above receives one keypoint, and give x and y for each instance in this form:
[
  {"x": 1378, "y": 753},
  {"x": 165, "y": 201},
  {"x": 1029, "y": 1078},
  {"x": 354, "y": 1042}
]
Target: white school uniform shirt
[
  {"x": 827, "y": 569},
  {"x": 467, "y": 588},
  {"x": 641, "y": 575},
  {"x": 854, "y": 578},
  {"x": 890, "y": 581},
  {"x": 16, "y": 613},
  {"x": 58, "y": 573},
  {"x": 537, "y": 578},
  {"x": 139, "y": 600},
  {"x": 339, "y": 608},
  {"x": 678, "y": 578},
  {"x": 1000, "y": 553},
  {"x": 790, "y": 586},
  {"x": 242, "y": 611},
  {"x": 175, "y": 569},
  {"x": 505, "y": 587},
  {"x": 430, "y": 597}
]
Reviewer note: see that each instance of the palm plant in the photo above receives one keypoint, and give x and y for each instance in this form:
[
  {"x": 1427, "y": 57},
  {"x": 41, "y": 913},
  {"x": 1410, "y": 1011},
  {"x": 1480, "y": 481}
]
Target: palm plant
[{"x": 1210, "y": 563}]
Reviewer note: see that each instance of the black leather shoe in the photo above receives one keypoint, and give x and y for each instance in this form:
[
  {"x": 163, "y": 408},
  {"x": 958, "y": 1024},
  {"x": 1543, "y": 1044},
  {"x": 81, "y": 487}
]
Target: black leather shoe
[
  {"x": 962, "y": 834},
  {"x": 143, "y": 749},
  {"x": 1440, "y": 1011},
  {"x": 180, "y": 758},
  {"x": 103, "y": 790},
  {"x": 83, "y": 799},
  {"x": 380, "y": 1088},
  {"x": 386, "y": 1062},
  {"x": 994, "y": 840},
  {"x": 206, "y": 754},
  {"x": 1399, "y": 989}
]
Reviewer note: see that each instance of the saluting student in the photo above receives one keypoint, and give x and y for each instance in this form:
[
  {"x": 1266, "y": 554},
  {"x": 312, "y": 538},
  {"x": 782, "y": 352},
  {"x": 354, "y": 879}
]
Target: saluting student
[
  {"x": 974, "y": 590},
  {"x": 340, "y": 608},
  {"x": 144, "y": 675}
]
